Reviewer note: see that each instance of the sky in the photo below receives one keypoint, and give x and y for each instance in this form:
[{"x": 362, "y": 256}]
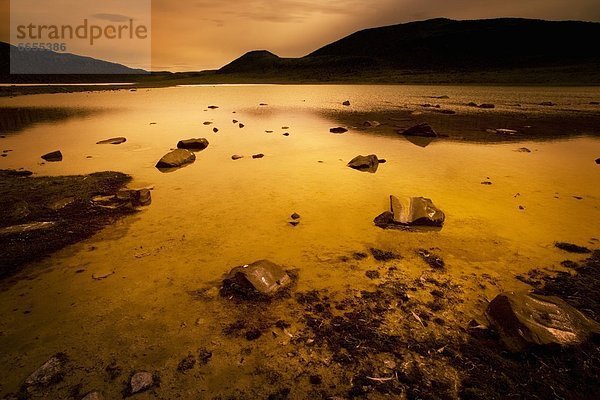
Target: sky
[{"x": 193, "y": 35}]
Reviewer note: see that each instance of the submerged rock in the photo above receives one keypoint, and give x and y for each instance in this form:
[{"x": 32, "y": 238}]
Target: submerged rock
[
  {"x": 410, "y": 211},
  {"x": 259, "y": 278},
  {"x": 422, "y": 130},
  {"x": 115, "y": 140},
  {"x": 338, "y": 129},
  {"x": 53, "y": 156},
  {"x": 51, "y": 372},
  {"x": 572, "y": 248},
  {"x": 371, "y": 124},
  {"x": 175, "y": 159},
  {"x": 141, "y": 381},
  {"x": 526, "y": 320},
  {"x": 368, "y": 163},
  {"x": 193, "y": 144},
  {"x": 137, "y": 197}
]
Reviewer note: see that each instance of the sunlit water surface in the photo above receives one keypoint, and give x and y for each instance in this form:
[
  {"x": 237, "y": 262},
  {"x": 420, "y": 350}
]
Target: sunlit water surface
[{"x": 218, "y": 213}]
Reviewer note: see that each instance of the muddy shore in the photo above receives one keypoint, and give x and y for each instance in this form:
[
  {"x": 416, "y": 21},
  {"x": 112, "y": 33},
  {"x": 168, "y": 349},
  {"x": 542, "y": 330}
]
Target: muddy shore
[{"x": 39, "y": 215}]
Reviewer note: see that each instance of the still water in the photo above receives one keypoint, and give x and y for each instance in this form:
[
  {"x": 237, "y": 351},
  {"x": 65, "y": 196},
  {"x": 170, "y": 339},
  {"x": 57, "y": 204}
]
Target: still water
[{"x": 218, "y": 213}]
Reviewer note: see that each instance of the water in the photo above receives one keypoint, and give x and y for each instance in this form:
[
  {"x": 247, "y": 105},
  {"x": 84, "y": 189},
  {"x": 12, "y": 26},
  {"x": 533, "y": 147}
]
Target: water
[{"x": 218, "y": 213}]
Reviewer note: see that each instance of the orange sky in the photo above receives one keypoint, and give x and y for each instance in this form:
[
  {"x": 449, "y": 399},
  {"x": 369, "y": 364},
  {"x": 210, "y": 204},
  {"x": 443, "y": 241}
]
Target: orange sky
[{"x": 206, "y": 34}]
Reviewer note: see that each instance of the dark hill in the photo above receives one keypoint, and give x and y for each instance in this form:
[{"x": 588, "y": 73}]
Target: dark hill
[{"x": 443, "y": 46}]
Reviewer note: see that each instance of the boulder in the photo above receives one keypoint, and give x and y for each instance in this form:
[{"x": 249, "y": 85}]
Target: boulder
[
  {"x": 137, "y": 197},
  {"x": 175, "y": 159},
  {"x": 368, "y": 163},
  {"x": 526, "y": 320},
  {"x": 193, "y": 144},
  {"x": 51, "y": 372},
  {"x": 116, "y": 140},
  {"x": 410, "y": 211},
  {"x": 421, "y": 130},
  {"x": 53, "y": 156},
  {"x": 259, "y": 278},
  {"x": 338, "y": 129},
  {"x": 141, "y": 381}
]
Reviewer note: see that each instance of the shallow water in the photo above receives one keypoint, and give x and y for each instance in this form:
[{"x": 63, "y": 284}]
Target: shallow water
[{"x": 218, "y": 213}]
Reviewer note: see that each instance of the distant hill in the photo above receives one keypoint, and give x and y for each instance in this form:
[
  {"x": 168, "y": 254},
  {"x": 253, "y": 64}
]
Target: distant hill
[
  {"x": 46, "y": 63},
  {"x": 441, "y": 46}
]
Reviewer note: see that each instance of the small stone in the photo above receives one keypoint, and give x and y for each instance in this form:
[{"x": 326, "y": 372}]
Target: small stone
[
  {"x": 523, "y": 150},
  {"x": 204, "y": 355},
  {"x": 486, "y": 183},
  {"x": 286, "y": 134},
  {"x": 93, "y": 396},
  {"x": 215, "y": 130},
  {"x": 213, "y": 107},
  {"x": 294, "y": 223},
  {"x": 51, "y": 372},
  {"x": 236, "y": 157},
  {"x": 259, "y": 155},
  {"x": 487, "y": 105},
  {"x": 207, "y": 122},
  {"x": 186, "y": 364},
  {"x": 115, "y": 140},
  {"x": 295, "y": 216},
  {"x": 346, "y": 103},
  {"x": 547, "y": 103},
  {"x": 433, "y": 260},
  {"x": 241, "y": 125},
  {"x": 338, "y": 130},
  {"x": 235, "y": 121},
  {"x": 54, "y": 156},
  {"x": 102, "y": 275},
  {"x": 372, "y": 274},
  {"x": 141, "y": 381},
  {"x": 176, "y": 158}
]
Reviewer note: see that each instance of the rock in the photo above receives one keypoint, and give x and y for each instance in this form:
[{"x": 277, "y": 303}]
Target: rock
[
  {"x": 487, "y": 105},
  {"x": 25, "y": 228},
  {"x": 315, "y": 379},
  {"x": 339, "y": 129},
  {"x": 204, "y": 355},
  {"x": 215, "y": 130},
  {"x": 141, "y": 381},
  {"x": 61, "y": 203},
  {"x": 440, "y": 97},
  {"x": 547, "y": 103},
  {"x": 236, "y": 157},
  {"x": 93, "y": 396},
  {"x": 486, "y": 183},
  {"x": 253, "y": 334},
  {"x": 98, "y": 276},
  {"x": 235, "y": 121},
  {"x": 597, "y": 160},
  {"x": 259, "y": 155},
  {"x": 346, "y": 103},
  {"x": 443, "y": 111},
  {"x": 285, "y": 127},
  {"x": 523, "y": 150},
  {"x": 372, "y": 274},
  {"x": 572, "y": 248},
  {"x": 193, "y": 144},
  {"x": 207, "y": 122},
  {"x": 116, "y": 140},
  {"x": 286, "y": 134},
  {"x": 259, "y": 278},
  {"x": 263, "y": 104},
  {"x": 371, "y": 124},
  {"x": 53, "y": 156},
  {"x": 421, "y": 130},
  {"x": 213, "y": 107},
  {"x": 241, "y": 125},
  {"x": 415, "y": 211},
  {"x": 472, "y": 104},
  {"x": 137, "y": 197},
  {"x": 295, "y": 216},
  {"x": 526, "y": 320},
  {"x": 502, "y": 131},
  {"x": 594, "y": 103},
  {"x": 294, "y": 222},
  {"x": 368, "y": 163},
  {"x": 51, "y": 372},
  {"x": 175, "y": 159}
]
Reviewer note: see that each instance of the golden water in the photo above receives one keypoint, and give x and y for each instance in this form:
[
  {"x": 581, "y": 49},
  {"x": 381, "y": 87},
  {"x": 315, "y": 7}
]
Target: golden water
[{"x": 218, "y": 213}]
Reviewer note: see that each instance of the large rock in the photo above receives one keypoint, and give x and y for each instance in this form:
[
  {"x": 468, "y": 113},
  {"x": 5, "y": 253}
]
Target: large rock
[
  {"x": 116, "y": 140},
  {"x": 410, "y": 211},
  {"x": 368, "y": 163},
  {"x": 175, "y": 159},
  {"x": 193, "y": 144},
  {"x": 526, "y": 320},
  {"x": 422, "y": 130},
  {"x": 259, "y": 278},
  {"x": 53, "y": 156},
  {"x": 51, "y": 372}
]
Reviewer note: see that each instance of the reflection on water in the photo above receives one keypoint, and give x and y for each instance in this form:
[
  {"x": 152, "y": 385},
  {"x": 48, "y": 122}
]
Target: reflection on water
[
  {"x": 218, "y": 213},
  {"x": 16, "y": 119}
]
